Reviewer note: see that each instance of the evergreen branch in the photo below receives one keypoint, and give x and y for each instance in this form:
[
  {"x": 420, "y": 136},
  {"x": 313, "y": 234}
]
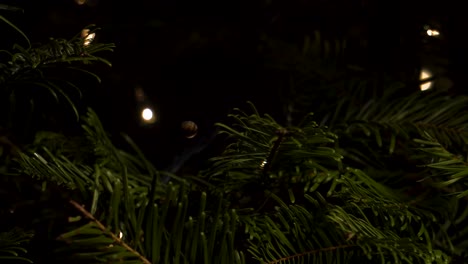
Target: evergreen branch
[
  {"x": 11, "y": 245},
  {"x": 104, "y": 229},
  {"x": 10, "y": 8},
  {"x": 387, "y": 241},
  {"x": 451, "y": 169},
  {"x": 32, "y": 67},
  {"x": 60, "y": 170},
  {"x": 257, "y": 153},
  {"x": 311, "y": 252},
  {"x": 444, "y": 117}
]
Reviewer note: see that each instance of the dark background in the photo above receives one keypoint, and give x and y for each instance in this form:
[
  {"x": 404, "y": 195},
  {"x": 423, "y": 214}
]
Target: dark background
[{"x": 196, "y": 60}]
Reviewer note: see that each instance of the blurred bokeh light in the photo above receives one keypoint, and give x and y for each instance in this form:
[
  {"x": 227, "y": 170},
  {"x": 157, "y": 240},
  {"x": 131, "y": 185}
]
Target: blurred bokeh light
[
  {"x": 88, "y": 37},
  {"x": 425, "y": 75},
  {"x": 432, "y": 32},
  {"x": 148, "y": 115}
]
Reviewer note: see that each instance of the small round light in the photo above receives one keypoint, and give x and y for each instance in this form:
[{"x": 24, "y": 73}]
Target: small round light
[{"x": 148, "y": 116}]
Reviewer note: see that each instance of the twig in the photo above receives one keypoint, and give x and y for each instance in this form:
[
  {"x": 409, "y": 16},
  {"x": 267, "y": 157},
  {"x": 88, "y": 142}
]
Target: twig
[
  {"x": 310, "y": 252},
  {"x": 103, "y": 228},
  {"x": 282, "y": 133}
]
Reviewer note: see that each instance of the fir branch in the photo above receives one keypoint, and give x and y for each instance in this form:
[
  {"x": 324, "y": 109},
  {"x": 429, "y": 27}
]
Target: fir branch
[
  {"x": 12, "y": 245},
  {"x": 104, "y": 229},
  {"x": 449, "y": 170},
  {"x": 310, "y": 252},
  {"x": 443, "y": 116}
]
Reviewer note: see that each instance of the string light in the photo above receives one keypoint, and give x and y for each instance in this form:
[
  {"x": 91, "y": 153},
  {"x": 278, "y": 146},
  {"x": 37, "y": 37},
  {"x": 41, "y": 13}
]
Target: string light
[
  {"x": 148, "y": 115},
  {"x": 426, "y": 85},
  {"x": 432, "y": 32},
  {"x": 88, "y": 37}
]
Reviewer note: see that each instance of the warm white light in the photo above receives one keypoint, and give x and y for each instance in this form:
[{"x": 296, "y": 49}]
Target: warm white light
[
  {"x": 88, "y": 37},
  {"x": 432, "y": 32},
  {"x": 120, "y": 235},
  {"x": 147, "y": 114},
  {"x": 425, "y": 74},
  {"x": 80, "y": 2}
]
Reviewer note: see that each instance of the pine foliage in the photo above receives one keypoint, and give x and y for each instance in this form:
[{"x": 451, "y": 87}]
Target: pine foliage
[
  {"x": 12, "y": 246},
  {"x": 307, "y": 206},
  {"x": 26, "y": 69},
  {"x": 372, "y": 178},
  {"x": 330, "y": 207}
]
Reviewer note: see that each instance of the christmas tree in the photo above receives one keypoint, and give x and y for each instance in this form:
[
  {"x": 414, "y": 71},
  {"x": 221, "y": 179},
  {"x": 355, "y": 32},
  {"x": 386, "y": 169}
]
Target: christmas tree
[{"x": 364, "y": 169}]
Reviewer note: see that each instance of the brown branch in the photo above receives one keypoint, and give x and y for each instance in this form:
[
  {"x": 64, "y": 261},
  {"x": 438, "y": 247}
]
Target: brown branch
[
  {"x": 310, "y": 252},
  {"x": 282, "y": 133},
  {"x": 14, "y": 150},
  {"x": 103, "y": 228}
]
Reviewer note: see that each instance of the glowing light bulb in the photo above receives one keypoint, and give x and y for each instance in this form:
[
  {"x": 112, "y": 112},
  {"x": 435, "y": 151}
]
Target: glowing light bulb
[
  {"x": 425, "y": 74},
  {"x": 147, "y": 114},
  {"x": 432, "y": 32},
  {"x": 88, "y": 37}
]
